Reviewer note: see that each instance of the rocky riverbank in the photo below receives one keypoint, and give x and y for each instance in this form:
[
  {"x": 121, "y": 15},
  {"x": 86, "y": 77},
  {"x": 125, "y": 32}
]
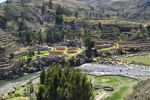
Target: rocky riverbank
[{"x": 129, "y": 70}]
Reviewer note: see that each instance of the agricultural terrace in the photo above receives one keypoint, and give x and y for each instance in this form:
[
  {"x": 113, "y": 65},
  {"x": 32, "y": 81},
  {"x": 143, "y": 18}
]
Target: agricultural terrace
[
  {"x": 19, "y": 98},
  {"x": 138, "y": 59},
  {"x": 69, "y": 18},
  {"x": 122, "y": 86},
  {"x": 114, "y": 47},
  {"x": 56, "y": 51}
]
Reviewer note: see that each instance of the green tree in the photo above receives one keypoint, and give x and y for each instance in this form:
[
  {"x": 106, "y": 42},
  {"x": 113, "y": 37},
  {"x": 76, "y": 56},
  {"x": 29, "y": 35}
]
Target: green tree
[
  {"x": 89, "y": 44},
  {"x": 99, "y": 25},
  {"x": 42, "y": 77},
  {"x": 148, "y": 29},
  {"x": 66, "y": 84},
  {"x": 43, "y": 8},
  {"x": 50, "y": 4},
  {"x": 40, "y": 36},
  {"x": 58, "y": 19},
  {"x": 76, "y": 14},
  {"x": 22, "y": 26}
]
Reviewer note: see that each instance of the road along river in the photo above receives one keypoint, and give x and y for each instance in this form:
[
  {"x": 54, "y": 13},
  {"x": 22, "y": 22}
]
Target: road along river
[{"x": 95, "y": 69}]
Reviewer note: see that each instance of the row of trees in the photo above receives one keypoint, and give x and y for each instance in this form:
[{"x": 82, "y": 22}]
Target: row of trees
[{"x": 64, "y": 84}]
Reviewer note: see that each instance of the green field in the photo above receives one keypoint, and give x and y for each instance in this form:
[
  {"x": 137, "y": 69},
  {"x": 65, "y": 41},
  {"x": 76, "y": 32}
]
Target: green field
[
  {"x": 122, "y": 86},
  {"x": 114, "y": 47},
  {"x": 46, "y": 53},
  {"x": 20, "y": 98},
  {"x": 138, "y": 59}
]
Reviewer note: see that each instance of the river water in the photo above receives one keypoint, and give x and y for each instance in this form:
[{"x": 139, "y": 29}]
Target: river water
[
  {"x": 7, "y": 85},
  {"x": 95, "y": 69}
]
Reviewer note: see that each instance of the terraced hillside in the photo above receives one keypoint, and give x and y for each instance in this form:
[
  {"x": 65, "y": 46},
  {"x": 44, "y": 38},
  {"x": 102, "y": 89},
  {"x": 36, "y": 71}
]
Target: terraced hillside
[
  {"x": 10, "y": 17},
  {"x": 8, "y": 41}
]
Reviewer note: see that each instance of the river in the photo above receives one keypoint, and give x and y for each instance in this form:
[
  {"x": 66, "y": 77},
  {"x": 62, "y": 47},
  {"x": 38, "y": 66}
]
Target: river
[
  {"x": 7, "y": 85},
  {"x": 95, "y": 69},
  {"x": 129, "y": 70}
]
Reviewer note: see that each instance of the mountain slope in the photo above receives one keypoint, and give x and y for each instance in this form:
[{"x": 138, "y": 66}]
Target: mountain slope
[
  {"x": 134, "y": 9},
  {"x": 140, "y": 10}
]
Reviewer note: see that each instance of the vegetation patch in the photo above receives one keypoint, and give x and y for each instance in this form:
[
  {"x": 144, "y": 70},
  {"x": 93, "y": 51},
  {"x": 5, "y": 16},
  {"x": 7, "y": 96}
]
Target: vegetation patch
[
  {"x": 57, "y": 51},
  {"x": 138, "y": 59},
  {"x": 20, "y": 98},
  {"x": 122, "y": 86},
  {"x": 114, "y": 47}
]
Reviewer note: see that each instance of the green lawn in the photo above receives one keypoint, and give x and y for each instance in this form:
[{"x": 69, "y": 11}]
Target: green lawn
[
  {"x": 122, "y": 85},
  {"x": 120, "y": 94},
  {"x": 138, "y": 59},
  {"x": 20, "y": 98}
]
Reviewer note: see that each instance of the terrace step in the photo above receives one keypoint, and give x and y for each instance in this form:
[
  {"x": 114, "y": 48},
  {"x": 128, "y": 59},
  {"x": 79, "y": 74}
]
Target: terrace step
[
  {"x": 1, "y": 63},
  {"x": 4, "y": 65}
]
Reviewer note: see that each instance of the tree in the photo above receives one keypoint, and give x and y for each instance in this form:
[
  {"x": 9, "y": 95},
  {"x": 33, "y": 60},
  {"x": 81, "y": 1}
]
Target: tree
[
  {"x": 66, "y": 84},
  {"x": 76, "y": 14},
  {"x": 148, "y": 29},
  {"x": 50, "y": 4},
  {"x": 42, "y": 77},
  {"x": 31, "y": 53},
  {"x": 8, "y": 1},
  {"x": 100, "y": 25},
  {"x": 58, "y": 19},
  {"x": 40, "y": 36},
  {"x": 89, "y": 44},
  {"x": 43, "y": 8},
  {"x": 22, "y": 26}
]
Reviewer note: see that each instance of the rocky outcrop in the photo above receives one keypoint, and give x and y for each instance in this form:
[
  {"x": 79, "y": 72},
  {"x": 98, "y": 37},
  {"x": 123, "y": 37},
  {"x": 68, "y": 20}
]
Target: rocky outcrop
[{"x": 141, "y": 91}]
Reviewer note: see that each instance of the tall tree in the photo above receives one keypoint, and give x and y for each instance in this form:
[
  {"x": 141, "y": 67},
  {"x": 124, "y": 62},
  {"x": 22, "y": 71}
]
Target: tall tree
[
  {"x": 89, "y": 43},
  {"x": 50, "y": 4},
  {"x": 66, "y": 84}
]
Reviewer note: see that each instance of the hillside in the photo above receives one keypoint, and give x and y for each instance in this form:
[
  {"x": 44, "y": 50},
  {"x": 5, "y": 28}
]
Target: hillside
[
  {"x": 140, "y": 10},
  {"x": 11, "y": 14},
  {"x": 133, "y": 9}
]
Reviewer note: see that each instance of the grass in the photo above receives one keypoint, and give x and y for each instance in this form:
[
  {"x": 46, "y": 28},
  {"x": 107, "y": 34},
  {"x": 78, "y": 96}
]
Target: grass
[
  {"x": 68, "y": 18},
  {"x": 138, "y": 59},
  {"x": 20, "y": 98},
  {"x": 115, "y": 46},
  {"x": 118, "y": 95},
  {"x": 122, "y": 85}
]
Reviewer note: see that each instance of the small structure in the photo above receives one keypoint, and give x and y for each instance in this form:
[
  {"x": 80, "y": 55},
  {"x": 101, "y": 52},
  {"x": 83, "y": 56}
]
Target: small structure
[
  {"x": 108, "y": 88},
  {"x": 97, "y": 87}
]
